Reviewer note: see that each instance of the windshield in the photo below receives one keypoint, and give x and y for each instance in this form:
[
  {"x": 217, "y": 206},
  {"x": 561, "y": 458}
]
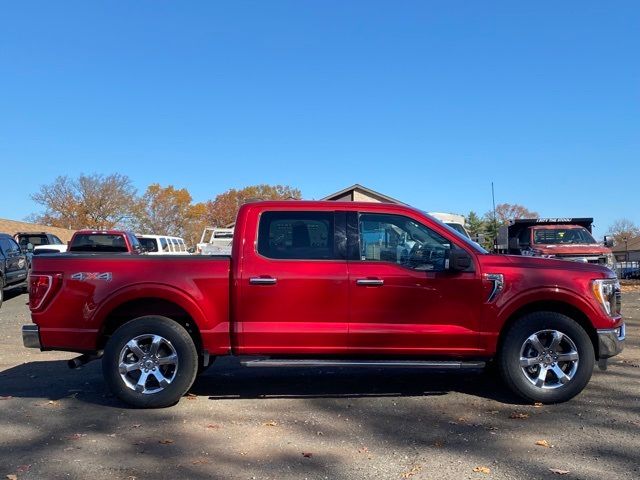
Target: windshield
[{"x": 562, "y": 236}]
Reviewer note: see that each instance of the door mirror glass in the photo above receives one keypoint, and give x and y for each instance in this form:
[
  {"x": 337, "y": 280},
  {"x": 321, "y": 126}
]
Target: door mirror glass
[
  {"x": 29, "y": 247},
  {"x": 459, "y": 260}
]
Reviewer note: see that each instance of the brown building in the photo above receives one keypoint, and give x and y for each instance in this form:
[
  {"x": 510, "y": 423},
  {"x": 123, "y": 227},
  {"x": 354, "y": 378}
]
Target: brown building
[
  {"x": 12, "y": 227},
  {"x": 358, "y": 193},
  {"x": 628, "y": 251}
]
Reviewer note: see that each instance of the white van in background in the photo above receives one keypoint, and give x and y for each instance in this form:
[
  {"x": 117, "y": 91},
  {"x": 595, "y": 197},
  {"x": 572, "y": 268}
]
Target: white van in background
[
  {"x": 454, "y": 220},
  {"x": 162, "y": 245}
]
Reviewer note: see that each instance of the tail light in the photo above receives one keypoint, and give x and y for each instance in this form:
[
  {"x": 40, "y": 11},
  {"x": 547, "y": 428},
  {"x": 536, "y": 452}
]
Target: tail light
[{"x": 42, "y": 288}]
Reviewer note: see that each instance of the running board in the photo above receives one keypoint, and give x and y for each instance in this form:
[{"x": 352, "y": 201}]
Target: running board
[{"x": 434, "y": 364}]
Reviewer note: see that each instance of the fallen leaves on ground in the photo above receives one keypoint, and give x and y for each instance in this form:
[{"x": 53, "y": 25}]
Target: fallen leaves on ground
[
  {"x": 23, "y": 468},
  {"x": 213, "y": 426},
  {"x": 307, "y": 454},
  {"x": 77, "y": 436},
  {"x": 538, "y": 405},
  {"x": 12, "y": 477},
  {"x": 191, "y": 396},
  {"x": 136, "y": 425},
  {"x": 412, "y": 471},
  {"x": 6, "y": 398},
  {"x": 481, "y": 469},
  {"x": 438, "y": 443},
  {"x": 270, "y": 424},
  {"x": 543, "y": 443},
  {"x": 558, "y": 471},
  {"x": 165, "y": 441},
  {"x": 200, "y": 461},
  {"x": 53, "y": 403},
  {"x": 518, "y": 415}
]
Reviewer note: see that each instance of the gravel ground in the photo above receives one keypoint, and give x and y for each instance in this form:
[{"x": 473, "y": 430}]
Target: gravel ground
[{"x": 318, "y": 424}]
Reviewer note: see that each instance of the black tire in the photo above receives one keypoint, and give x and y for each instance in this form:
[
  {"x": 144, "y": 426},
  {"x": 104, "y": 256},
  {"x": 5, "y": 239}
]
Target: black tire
[
  {"x": 519, "y": 341},
  {"x": 176, "y": 344}
]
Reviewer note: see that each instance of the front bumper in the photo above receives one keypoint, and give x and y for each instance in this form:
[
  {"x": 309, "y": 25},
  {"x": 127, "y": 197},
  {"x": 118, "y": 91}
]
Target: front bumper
[
  {"x": 31, "y": 336},
  {"x": 611, "y": 341}
]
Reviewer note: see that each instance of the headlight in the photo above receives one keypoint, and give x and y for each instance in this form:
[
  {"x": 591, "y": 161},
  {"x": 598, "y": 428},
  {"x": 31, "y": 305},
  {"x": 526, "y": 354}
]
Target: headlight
[{"x": 607, "y": 293}]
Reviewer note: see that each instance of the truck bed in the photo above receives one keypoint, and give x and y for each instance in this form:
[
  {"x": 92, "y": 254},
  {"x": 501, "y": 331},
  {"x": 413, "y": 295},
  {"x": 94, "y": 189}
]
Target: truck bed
[{"x": 88, "y": 287}]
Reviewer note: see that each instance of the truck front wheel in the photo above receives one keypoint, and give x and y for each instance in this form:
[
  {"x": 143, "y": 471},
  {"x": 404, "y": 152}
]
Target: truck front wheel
[
  {"x": 546, "y": 357},
  {"x": 150, "y": 362}
]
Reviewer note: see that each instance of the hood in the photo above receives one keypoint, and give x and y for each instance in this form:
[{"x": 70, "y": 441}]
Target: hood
[
  {"x": 573, "y": 249},
  {"x": 493, "y": 260}
]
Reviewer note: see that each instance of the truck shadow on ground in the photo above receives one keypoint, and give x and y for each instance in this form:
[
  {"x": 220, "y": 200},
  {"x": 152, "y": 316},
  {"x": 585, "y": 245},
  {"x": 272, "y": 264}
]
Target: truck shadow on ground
[{"x": 226, "y": 380}]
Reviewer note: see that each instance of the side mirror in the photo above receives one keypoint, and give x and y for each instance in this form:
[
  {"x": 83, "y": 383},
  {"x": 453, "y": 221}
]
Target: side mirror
[
  {"x": 459, "y": 260},
  {"x": 29, "y": 247},
  {"x": 608, "y": 241}
]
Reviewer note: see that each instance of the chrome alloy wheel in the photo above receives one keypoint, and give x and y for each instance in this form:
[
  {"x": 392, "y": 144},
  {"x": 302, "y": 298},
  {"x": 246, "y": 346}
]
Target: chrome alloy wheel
[
  {"x": 549, "y": 359},
  {"x": 148, "y": 363}
]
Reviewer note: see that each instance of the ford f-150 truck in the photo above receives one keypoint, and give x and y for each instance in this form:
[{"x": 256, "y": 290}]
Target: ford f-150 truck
[{"x": 327, "y": 283}]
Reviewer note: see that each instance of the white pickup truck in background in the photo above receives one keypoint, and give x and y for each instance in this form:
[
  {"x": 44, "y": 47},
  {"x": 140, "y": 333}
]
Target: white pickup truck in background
[{"x": 215, "y": 241}]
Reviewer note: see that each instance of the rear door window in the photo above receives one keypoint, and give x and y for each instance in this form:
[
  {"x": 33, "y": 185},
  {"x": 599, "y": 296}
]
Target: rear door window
[{"x": 297, "y": 235}]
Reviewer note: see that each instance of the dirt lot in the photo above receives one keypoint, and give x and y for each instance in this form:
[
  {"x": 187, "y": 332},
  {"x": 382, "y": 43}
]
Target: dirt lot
[{"x": 316, "y": 424}]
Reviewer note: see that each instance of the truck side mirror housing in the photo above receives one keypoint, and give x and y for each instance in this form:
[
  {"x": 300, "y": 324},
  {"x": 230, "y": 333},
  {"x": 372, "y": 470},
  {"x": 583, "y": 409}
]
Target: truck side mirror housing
[
  {"x": 459, "y": 260},
  {"x": 30, "y": 247},
  {"x": 608, "y": 241}
]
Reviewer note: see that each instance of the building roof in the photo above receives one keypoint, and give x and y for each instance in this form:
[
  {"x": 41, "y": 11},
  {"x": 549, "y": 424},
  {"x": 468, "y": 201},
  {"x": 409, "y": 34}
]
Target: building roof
[
  {"x": 363, "y": 190},
  {"x": 12, "y": 227},
  {"x": 632, "y": 245}
]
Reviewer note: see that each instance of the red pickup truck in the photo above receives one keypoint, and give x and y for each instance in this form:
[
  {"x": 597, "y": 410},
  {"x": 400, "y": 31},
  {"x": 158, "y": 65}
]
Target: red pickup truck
[{"x": 326, "y": 283}]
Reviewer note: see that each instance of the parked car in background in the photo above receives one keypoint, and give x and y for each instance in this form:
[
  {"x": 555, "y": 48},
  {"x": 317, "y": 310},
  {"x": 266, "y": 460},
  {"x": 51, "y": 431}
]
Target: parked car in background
[
  {"x": 104, "y": 241},
  {"x": 13, "y": 265},
  {"x": 41, "y": 242},
  {"x": 162, "y": 245},
  {"x": 215, "y": 241}
]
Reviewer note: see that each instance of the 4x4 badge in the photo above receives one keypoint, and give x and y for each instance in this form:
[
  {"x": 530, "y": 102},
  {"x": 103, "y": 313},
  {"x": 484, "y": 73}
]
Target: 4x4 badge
[{"x": 84, "y": 276}]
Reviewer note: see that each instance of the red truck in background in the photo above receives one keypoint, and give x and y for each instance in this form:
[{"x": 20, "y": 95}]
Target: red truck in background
[
  {"x": 328, "y": 283},
  {"x": 561, "y": 238},
  {"x": 104, "y": 241}
]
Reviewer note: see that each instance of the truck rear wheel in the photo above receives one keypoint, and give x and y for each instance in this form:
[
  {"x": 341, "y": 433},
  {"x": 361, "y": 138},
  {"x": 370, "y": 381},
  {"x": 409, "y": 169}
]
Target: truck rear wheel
[
  {"x": 546, "y": 357},
  {"x": 150, "y": 362}
]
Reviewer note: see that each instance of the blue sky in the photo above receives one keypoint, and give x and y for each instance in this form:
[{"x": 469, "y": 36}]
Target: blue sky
[{"x": 425, "y": 101}]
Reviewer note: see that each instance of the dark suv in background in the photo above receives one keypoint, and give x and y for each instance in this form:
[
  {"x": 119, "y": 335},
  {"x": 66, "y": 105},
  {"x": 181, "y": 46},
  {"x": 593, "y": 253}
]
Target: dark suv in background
[{"x": 13, "y": 265}]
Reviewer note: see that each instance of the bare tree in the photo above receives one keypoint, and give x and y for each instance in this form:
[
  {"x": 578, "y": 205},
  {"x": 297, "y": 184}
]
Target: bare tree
[{"x": 623, "y": 229}]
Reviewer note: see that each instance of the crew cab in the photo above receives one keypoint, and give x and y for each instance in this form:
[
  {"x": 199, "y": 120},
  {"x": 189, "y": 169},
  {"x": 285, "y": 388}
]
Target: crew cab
[
  {"x": 326, "y": 283},
  {"x": 104, "y": 241}
]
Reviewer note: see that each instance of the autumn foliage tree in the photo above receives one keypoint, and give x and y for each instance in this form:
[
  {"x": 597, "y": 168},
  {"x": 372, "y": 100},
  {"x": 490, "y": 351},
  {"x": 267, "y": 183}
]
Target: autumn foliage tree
[
  {"x": 223, "y": 209},
  {"x": 168, "y": 211},
  {"x": 90, "y": 201}
]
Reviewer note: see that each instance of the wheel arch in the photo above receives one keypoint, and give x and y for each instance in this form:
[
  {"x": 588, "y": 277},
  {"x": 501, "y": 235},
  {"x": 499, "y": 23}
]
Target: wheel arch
[
  {"x": 148, "y": 306},
  {"x": 554, "y": 306}
]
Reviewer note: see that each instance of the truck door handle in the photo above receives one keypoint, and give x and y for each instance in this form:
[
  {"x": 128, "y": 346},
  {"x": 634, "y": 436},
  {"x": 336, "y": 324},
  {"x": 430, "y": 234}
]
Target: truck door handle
[
  {"x": 262, "y": 281},
  {"x": 370, "y": 282}
]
